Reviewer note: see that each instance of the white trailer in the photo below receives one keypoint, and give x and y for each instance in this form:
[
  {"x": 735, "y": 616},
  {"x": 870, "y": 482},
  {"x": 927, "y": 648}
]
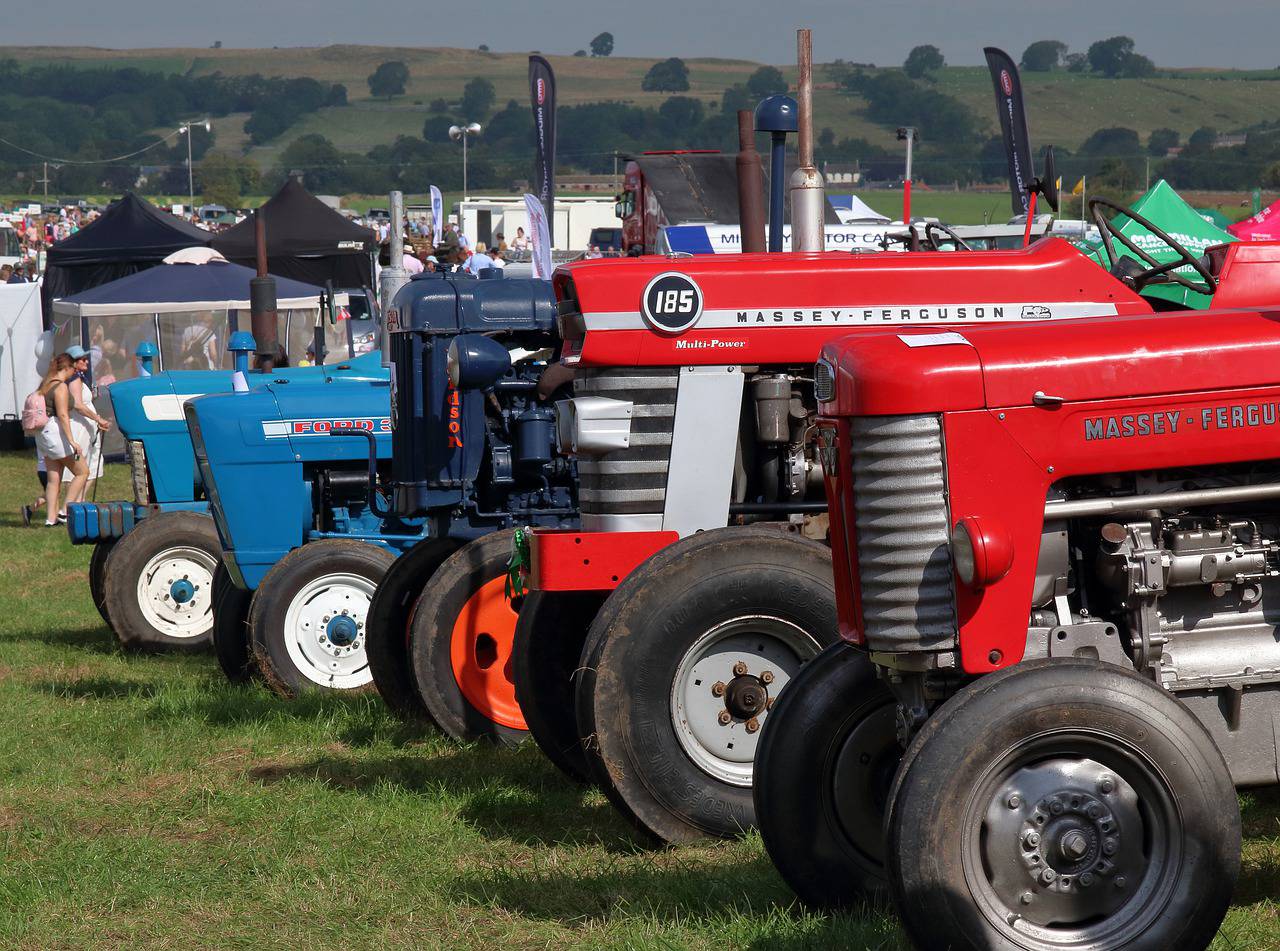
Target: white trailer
[{"x": 482, "y": 219}]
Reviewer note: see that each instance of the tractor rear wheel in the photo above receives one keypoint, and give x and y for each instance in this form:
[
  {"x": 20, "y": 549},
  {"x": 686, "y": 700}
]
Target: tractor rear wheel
[
  {"x": 231, "y": 627},
  {"x": 390, "y": 613},
  {"x": 97, "y": 567},
  {"x": 682, "y": 666},
  {"x": 1063, "y": 803},
  {"x": 158, "y": 582},
  {"x": 548, "y": 643},
  {"x": 308, "y": 617},
  {"x": 824, "y": 768},
  {"x": 460, "y": 644}
]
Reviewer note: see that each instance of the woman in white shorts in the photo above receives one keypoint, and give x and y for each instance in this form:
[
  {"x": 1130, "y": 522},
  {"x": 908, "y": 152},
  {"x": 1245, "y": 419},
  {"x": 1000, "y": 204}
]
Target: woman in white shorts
[
  {"x": 56, "y": 443},
  {"x": 86, "y": 425}
]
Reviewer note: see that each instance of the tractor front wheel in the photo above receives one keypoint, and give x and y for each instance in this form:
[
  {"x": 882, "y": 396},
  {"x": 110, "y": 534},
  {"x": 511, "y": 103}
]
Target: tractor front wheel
[
  {"x": 1058, "y": 804},
  {"x": 97, "y": 569},
  {"x": 307, "y": 620},
  {"x": 231, "y": 627},
  {"x": 460, "y": 644}
]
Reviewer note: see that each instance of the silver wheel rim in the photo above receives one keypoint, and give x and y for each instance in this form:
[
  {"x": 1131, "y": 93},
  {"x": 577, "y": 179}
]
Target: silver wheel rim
[
  {"x": 324, "y": 631},
  {"x": 724, "y": 686},
  {"x": 175, "y": 592},
  {"x": 1072, "y": 841}
]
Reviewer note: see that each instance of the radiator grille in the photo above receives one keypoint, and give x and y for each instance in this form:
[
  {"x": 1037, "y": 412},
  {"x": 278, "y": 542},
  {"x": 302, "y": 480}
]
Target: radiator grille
[
  {"x": 630, "y": 481},
  {"x": 824, "y": 382},
  {"x": 904, "y": 562}
]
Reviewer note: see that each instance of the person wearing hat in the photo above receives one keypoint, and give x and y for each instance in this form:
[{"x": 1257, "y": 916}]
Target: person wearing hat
[{"x": 86, "y": 423}]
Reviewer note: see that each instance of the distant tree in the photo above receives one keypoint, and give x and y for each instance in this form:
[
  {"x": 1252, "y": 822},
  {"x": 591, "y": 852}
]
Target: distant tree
[
  {"x": 439, "y": 105},
  {"x": 337, "y": 95},
  {"x": 734, "y": 98},
  {"x": 477, "y": 98},
  {"x": 1043, "y": 55},
  {"x": 682, "y": 113},
  {"x": 1137, "y": 66},
  {"x": 315, "y": 157},
  {"x": 669, "y": 75},
  {"x": 1111, "y": 142},
  {"x": 602, "y": 45},
  {"x": 1076, "y": 62},
  {"x": 1162, "y": 140},
  {"x": 923, "y": 59},
  {"x": 579, "y": 52},
  {"x": 826, "y": 138},
  {"x": 217, "y": 44},
  {"x": 1115, "y": 57},
  {"x": 388, "y": 79},
  {"x": 1203, "y": 139},
  {"x": 766, "y": 81},
  {"x": 1118, "y": 175},
  {"x": 219, "y": 178},
  {"x": 483, "y": 48},
  {"x": 436, "y": 128},
  {"x": 1271, "y": 176}
]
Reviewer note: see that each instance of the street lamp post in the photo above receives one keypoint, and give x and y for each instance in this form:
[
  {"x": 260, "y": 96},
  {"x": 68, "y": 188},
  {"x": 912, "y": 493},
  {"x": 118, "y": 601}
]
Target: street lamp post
[
  {"x": 460, "y": 133},
  {"x": 185, "y": 128}
]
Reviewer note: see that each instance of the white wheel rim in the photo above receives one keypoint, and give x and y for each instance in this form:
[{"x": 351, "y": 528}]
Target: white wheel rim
[
  {"x": 175, "y": 592},
  {"x": 772, "y": 649},
  {"x": 324, "y": 631}
]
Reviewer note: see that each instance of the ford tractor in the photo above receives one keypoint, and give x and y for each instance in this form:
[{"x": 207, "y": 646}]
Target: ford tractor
[
  {"x": 1055, "y": 559},
  {"x": 154, "y": 558},
  {"x": 311, "y": 514}
]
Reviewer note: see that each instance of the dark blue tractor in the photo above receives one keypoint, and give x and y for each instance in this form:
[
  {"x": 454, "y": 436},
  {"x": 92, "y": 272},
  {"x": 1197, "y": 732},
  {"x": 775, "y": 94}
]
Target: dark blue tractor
[{"x": 314, "y": 513}]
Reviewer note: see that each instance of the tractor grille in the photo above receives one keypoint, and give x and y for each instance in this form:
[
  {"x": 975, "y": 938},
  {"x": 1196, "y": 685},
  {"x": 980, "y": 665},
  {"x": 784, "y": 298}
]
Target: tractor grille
[
  {"x": 904, "y": 562},
  {"x": 631, "y": 481},
  {"x": 824, "y": 382}
]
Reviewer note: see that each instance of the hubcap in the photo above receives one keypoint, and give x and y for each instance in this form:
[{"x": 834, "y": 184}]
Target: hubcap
[
  {"x": 1074, "y": 847},
  {"x": 175, "y": 592},
  {"x": 324, "y": 631},
  {"x": 481, "y": 640},
  {"x": 724, "y": 686}
]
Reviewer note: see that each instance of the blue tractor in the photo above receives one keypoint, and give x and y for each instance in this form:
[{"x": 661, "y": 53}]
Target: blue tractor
[
  {"x": 314, "y": 515},
  {"x": 154, "y": 558}
]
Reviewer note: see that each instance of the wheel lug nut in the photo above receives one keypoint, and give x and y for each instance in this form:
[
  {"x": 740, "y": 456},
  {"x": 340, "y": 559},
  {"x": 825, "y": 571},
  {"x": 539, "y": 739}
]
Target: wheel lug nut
[
  {"x": 1032, "y": 838},
  {"x": 752, "y": 725},
  {"x": 1109, "y": 847},
  {"x": 1048, "y": 875},
  {"x": 740, "y": 668},
  {"x": 1106, "y": 784},
  {"x": 1014, "y": 801},
  {"x": 1026, "y": 898},
  {"x": 1056, "y": 807},
  {"x": 1093, "y": 811},
  {"x": 725, "y": 717},
  {"x": 1085, "y": 879},
  {"x": 766, "y": 677},
  {"x": 717, "y": 689},
  {"x": 1120, "y": 882}
]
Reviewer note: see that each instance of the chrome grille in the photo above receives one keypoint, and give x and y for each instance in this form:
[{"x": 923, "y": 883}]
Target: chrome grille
[
  {"x": 631, "y": 481},
  {"x": 904, "y": 559},
  {"x": 138, "y": 471},
  {"x": 824, "y": 382}
]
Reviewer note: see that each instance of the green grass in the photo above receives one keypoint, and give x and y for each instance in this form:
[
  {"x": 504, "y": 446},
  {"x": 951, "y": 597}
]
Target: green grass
[{"x": 144, "y": 802}]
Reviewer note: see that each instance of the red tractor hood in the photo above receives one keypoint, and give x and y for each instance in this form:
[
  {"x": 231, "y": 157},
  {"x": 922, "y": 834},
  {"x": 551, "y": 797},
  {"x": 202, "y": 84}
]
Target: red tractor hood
[
  {"x": 781, "y": 308},
  {"x": 1076, "y": 361}
]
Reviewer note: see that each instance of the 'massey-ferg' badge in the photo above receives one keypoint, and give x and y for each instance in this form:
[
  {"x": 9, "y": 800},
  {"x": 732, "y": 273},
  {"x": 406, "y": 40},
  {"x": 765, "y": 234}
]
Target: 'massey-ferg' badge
[{"x": 672, "y": 303}]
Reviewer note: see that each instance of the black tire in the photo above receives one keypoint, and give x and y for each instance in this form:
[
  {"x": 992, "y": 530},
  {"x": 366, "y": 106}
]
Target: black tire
[
  {"x": 550, "y": 634},
  {"x": 170, "y": 558},
  {"x": 824, "y": 768},
  {"x": 731, "y": 585},
  {"x": 1086, "y": 757},
  {"x": 231, "y": 628},
  {"x": 322, "y": 582},
  {"x": 479, "y": 702},
  {"x": 390, "y": 611},
  {"x": 97, "y": 567}
]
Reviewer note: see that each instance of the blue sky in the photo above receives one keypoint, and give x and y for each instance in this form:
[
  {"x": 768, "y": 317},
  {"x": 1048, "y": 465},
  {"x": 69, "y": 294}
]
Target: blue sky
[{"x": 1172, "y": 32}]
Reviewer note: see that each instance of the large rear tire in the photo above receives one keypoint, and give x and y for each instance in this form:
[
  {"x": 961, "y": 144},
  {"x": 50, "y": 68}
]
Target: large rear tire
[
  {"x": 681, "y": 666},
  {"x": 97, "y": 568},
  {"x": 1063, "y": 803},
  {"x": 390, "y": 613},
  {"x": 231, "y": 627},
  {"x": 824, "y": 769},
  {"x": 550, "y": 633},
  {"x": 460, "y": 644},
  {"x": 308, "y": 617},
  {"x": 158, "y": 582}
]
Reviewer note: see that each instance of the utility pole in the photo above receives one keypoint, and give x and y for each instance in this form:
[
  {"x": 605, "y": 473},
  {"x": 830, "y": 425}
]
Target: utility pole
[
  {"x": 191, "y": 175},
  {"x": 1148, "y": 187},
  {"x": 45, "y": 180}
]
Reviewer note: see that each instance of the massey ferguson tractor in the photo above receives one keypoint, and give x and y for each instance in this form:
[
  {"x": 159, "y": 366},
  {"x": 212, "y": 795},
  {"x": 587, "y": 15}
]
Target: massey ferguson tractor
[
  {"x": 311, "y": 515},
  {"x": 1055, "y": 557}
]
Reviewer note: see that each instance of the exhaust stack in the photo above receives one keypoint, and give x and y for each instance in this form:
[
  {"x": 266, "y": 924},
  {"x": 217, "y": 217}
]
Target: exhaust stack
[
  {"x": 750, "y": 188},
  {"x": 262, "y": 294},
  {"x": 808, "y": 195},
  {"x": 393, "y": 276}
]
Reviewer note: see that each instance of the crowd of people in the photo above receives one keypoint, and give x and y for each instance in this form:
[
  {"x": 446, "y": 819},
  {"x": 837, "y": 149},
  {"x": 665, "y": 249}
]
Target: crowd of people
[{"x": 455, "y": 251}]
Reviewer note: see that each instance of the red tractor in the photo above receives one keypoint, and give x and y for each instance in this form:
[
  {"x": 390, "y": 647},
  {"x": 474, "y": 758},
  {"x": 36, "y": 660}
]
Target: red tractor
[
  {"x": 655, "y": 641},
  {"x": 1055, "y": 558}
]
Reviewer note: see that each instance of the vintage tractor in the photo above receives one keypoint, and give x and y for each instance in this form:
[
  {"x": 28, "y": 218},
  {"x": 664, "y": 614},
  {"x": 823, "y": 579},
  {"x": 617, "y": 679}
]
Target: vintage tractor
[
  {"x": 311, "y": 513},
  {"x": 1055, "y": 558},
  {"x": 654, "y": 641},
  {"x": 154, "y": 558}
]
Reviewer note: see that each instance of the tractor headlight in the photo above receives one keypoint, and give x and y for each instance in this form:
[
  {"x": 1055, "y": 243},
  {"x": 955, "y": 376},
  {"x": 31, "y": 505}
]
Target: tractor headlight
[
  {"x": 962, "y": 554},
  {"x": 981, "y": 551},
  {"x": 476, "y": 362}
]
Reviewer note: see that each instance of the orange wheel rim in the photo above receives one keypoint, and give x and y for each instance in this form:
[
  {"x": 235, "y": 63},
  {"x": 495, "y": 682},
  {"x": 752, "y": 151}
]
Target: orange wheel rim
[{"x": 480, "y": 651}]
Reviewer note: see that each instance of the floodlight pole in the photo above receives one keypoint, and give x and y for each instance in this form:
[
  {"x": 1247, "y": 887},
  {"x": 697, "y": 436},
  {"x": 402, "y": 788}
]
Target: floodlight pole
[{"x": 191, "y": 177}]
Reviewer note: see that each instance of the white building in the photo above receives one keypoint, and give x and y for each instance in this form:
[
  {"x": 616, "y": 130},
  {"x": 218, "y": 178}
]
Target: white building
[{"x": 482, "y": 219}]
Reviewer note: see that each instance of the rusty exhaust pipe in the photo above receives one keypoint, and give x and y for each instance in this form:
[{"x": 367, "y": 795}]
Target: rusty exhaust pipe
[
  {"x": 750, "y": 188},
  {"x": 808, "y": 196},
  {"x": 262, "y": 294}
]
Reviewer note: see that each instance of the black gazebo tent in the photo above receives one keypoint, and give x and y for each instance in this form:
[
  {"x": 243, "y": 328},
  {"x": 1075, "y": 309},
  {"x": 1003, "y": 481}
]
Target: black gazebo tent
[
  {"x": 306, "y": 240},
  {"x": 131, "y": 235}
]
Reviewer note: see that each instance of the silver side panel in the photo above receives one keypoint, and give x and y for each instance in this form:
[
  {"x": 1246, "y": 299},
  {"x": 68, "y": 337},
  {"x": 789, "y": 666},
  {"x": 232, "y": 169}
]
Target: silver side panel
[
  {"x": 903, "y": 533},
  {"x": 621, "y": 523},
  {"x": 703, "y": 445}
]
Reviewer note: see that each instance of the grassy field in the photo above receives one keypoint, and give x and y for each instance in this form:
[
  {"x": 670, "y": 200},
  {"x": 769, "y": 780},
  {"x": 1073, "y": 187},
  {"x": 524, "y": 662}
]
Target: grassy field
[{"x": 146, "y": 803}]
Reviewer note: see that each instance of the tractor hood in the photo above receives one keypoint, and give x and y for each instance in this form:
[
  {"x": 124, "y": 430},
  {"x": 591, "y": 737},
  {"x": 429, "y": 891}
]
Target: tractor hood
[
  {"x": 1080, "y": 361},
  {"x": 781, "y": 308}
]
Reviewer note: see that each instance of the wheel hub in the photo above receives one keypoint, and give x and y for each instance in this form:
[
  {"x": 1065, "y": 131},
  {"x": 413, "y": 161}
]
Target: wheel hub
[
  {"x": 181, "y": 591},
  {"x": 342, "y": 630},
  {"x": 324, "y": 630},
  {"x": 746, "y": 696},
  {"x": 174, "y": 591}
]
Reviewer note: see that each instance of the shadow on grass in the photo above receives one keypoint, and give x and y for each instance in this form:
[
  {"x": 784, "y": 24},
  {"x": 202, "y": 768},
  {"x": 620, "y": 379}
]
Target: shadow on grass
[
  {"x": 1260, "y": 873},
  {"x": 96, "y": 639},
  {"x": 101, "y": 688}
]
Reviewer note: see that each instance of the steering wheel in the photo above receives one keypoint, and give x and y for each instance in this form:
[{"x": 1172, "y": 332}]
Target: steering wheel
[
  {"x": 1155, "y": 272},
  {"x": 931, "y": 239}
]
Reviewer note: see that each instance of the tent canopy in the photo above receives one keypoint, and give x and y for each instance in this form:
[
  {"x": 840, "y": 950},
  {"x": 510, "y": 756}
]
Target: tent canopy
[
  {"x": 306, "y": 240},
  {"x": 179, "y": 288},
  {"x": 851, "y": 208},
  {"x": 1264, "y": 226},
  {"x": 131, "y": 229},
  {"x": 1165, "y": 208}
]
